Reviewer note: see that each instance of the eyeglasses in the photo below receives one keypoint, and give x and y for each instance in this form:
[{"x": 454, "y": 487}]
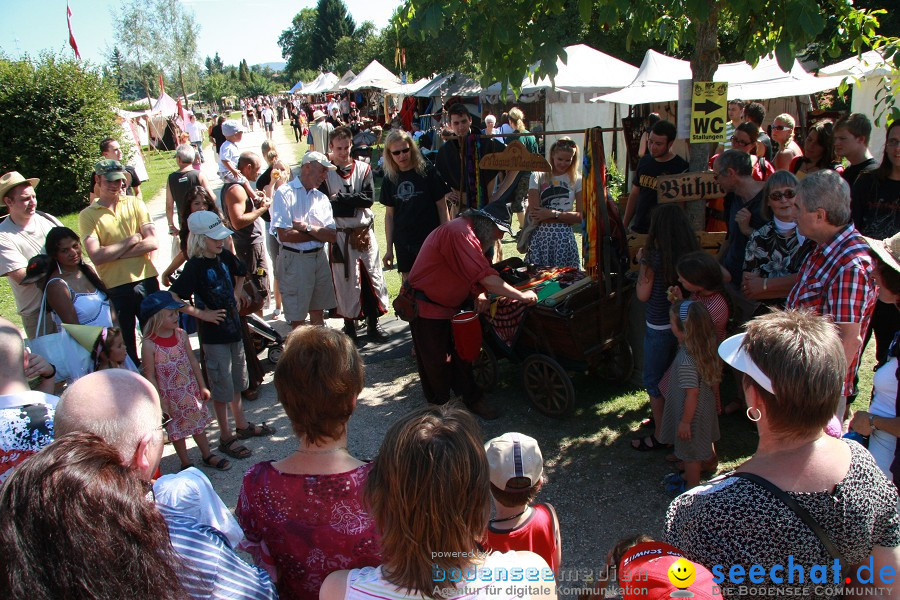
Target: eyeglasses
[
  {"x": 785, "y": 195},
  {"x": 782, "y": 127},
  {"x": 893, "y": 143},
  {"x": 399, "y": 152},
  {"x": 565, "y": 143},
  {"x": 166, "y": 419},
  {"x": 738, "y": 142}
]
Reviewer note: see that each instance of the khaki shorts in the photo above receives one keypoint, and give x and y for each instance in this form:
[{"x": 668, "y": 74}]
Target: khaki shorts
[
  {"x": 305, "y": 283},
  {"x": 226, "y": 368}
]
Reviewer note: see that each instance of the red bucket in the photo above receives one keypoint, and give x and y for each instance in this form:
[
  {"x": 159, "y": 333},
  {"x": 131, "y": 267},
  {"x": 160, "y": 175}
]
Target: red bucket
[{"x": 467, "y": 335}]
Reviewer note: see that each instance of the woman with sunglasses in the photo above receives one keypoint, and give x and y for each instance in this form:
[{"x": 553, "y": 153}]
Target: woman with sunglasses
[
  {"x": 776, "y": 250},
  {"x": 783, "y": 133},
  {"x": 744, "y": 139},
  {"x": 416, "y": 199},
  {"x": 818, "y": 151}
]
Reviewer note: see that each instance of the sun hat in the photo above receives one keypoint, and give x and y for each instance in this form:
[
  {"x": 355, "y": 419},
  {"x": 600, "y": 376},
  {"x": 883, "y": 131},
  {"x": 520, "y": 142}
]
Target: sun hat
[
  {"x": 732, "y": 352},
  {"x": 318, "y": 114},
  {"x": 232, "y": 127},
  {"x": 317, "y": 157},
  {"x": 514, "y": 458},
  {"x": 647, "y": 569},
  {"x": 110, "y": 170},
  {"x": 209, "y": 224},
  {"x": 156, "y": 302},
  {"x": 497, "y": 212},
  {"x": 12, "y": 179},
  {"x": 888, "y": 250}
]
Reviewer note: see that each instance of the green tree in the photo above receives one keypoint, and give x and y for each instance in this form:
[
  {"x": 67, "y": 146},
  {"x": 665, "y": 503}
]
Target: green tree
[
  {"x": 296, "y": 41},
  {"x": 180, "y": 48},
  {"x": 446, "y": 50},
  {"x": 61, "y": 149},
  {"x": 215, "y": 86},
  {"x": 138, "y": 37},
  {"x": 243, "y": 72},
  {"x": 508, "y": 36},
  {"x": 214, "y": 65},
  {"x": 333, "y": 22}
]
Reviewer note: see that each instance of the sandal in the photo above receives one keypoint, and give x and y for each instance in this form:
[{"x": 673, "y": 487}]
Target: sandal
[
  {"x": 254, "y": 431},
  {"x": 647, "y": 444},
  {"x": 223, "y": 464},
  {"x": 228, "y": 448}
]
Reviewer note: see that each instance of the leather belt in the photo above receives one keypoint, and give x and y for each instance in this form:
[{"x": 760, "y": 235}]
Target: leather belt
[{"x": 289, "y": 249}]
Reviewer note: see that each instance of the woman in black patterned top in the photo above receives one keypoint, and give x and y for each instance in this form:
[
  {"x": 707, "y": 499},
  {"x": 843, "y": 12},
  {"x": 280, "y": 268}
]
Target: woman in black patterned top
[{"x": 792, "y": 364}]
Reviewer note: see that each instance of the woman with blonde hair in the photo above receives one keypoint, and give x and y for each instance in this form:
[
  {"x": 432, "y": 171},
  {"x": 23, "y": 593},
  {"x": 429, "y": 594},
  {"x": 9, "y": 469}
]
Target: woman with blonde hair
[
  {"x": 416, "y": 199},
  {"x": 429, "y": 492},
  {"x": 272, "y": 178},
  {"x": 783, "y": 133},
  {"x": 554, "y": 203}
]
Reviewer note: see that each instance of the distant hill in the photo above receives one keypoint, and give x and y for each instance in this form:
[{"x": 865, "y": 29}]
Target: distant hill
[{"x": 275, "y": 66}]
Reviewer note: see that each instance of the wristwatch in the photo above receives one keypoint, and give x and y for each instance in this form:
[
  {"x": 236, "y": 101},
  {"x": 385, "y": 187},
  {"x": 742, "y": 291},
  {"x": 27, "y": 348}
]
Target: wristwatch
[
  {"x": 872, "y": 422},
  {"x": 556, "y": 214},
  {"x": 308, "y": 227}
]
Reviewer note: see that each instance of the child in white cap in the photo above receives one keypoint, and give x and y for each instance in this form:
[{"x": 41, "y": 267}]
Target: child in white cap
[
  {"x": 229, "y": 155},
  {"x": 517, "y": 469}
]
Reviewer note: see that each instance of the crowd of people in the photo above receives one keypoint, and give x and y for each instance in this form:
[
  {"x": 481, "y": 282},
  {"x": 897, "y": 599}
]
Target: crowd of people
[{"x": 808, "y": 271}]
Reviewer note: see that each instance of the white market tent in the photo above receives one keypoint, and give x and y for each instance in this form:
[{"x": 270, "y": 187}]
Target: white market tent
[
  {"x": 865, "y": 73},
  {"x": 375, "y": 75},
  {"x": 297, "y": 87},
  {"x": 408, "y": 89},
  {"x": 451, "y": 84},
  {"x": 321, "y": 84},
  {"x": 343, "y": 81},
  {"x": 165, "y": 106}
]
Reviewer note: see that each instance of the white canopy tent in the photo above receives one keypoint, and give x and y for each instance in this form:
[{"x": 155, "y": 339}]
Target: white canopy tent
[
  {"x": 375, "y": 75},
  {"x": 865, "y": 73},
  {"x": 408, "y": 89},
  {"x": 451, "y": 84},
  {"x": 343, "y": 81},
  {"x": 134, "y": 128},
  {"x": 321, "y": 84}
]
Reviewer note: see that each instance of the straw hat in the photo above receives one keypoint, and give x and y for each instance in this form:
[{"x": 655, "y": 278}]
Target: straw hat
[
  {"x": 12, "y": 179},
  {"x": 887, "y": 250}
]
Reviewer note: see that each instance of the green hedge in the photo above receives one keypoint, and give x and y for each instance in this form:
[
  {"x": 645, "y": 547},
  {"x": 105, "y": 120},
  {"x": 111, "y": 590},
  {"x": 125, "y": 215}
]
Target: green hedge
[{"x": 54, "y": 111}]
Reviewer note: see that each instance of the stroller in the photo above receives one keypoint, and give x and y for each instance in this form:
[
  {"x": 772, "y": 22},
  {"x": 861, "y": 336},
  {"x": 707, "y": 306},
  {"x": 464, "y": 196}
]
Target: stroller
[{"x": 265, "y": 337}]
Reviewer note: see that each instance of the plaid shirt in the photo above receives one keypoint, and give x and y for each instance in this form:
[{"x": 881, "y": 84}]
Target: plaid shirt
[{"x": 836, "y": 280}]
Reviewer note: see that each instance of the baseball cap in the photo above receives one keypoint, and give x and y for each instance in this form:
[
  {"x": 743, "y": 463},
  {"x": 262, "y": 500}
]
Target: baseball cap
[
  {"x": 515, "y": 461},
  {"x": 10, "y": 180},
  {"x": 110, "y": 169},
  {"x": 209, "y": 224},
  {"x": 655, "y": 559},
  {"x": 156, "y": 302},
  {"x": 318, "y": 157},
  {"x": 732, "y": 352},
  {"x": 232, "y": 127}
]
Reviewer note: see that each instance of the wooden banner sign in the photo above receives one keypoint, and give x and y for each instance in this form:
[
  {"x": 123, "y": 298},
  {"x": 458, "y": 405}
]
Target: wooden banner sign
[
  {"x": 686, "y": 187},
  {"x": 515, "y": 158}
]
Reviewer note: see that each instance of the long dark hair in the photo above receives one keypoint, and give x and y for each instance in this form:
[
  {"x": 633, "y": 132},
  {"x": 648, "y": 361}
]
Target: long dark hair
[
  {"x": 824, "y": 137},
  {"x": 184, "y": 211},
  {"x": 670, "y": 237},
  {"x": 51, "y": 245},
  {"x": 886, "y": 167},
  {"x": 75, "y": 523}
]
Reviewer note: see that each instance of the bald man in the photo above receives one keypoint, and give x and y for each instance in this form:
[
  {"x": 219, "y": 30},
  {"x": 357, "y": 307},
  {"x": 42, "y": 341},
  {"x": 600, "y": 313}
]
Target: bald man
[
  {"x": 26, "y": 416},
  {"x": 123, "y": 408}
]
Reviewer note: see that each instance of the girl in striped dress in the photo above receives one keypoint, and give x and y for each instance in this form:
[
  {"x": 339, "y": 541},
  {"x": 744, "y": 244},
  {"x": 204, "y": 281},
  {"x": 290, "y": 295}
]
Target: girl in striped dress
[{"x": 689, "y": 420}]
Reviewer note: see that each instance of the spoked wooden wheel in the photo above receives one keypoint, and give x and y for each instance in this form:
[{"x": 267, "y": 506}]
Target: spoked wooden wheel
[
  {"x": 485, "y": 369},
  {"x": 548, "y": 385},
  {"x": 617, "y": 363}
]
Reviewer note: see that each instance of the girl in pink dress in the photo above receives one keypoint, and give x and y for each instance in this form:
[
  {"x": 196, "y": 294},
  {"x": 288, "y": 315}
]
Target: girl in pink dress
[{"x": 170, "y": 365}]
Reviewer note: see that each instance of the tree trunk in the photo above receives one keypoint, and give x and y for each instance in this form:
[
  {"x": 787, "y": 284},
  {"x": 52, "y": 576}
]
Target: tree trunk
[
  {"x": 183, "y": 89},
  {"x": 703, "y": 64}
]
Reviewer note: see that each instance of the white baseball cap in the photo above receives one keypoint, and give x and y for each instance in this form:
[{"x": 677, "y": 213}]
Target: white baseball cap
[
  {"x": 317, "y": 157},
  {"x": 514, "y": 458},
  {"x": 209, "y": 224}
]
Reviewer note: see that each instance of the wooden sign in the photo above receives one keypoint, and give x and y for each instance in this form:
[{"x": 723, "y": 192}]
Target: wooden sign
[
  {"x": 686, "y": 187},
  {"x": 515, "y": 158}
]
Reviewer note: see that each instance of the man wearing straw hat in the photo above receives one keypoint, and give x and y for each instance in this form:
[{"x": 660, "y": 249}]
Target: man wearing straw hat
[{"x": 22, "y": 235}]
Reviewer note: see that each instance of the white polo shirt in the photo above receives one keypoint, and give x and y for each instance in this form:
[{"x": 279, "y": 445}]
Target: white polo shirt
[{"x": 292, "y": 202}]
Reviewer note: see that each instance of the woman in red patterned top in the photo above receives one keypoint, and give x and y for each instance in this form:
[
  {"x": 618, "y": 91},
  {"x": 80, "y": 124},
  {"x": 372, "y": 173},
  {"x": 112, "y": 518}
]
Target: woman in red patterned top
[{"x": 303, "y": 516}]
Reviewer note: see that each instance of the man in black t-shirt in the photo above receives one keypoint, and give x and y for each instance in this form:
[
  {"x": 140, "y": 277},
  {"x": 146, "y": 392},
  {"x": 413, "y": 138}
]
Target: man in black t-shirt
[
  {"x": 851, "y": 141},
  {"x": 110, "y": 149},
  {"x": 217, "y": 135},
  {"x": 180, "y": 183},
  {"x": 659, "y": 160},
  {"x": 743, "y": 205}
]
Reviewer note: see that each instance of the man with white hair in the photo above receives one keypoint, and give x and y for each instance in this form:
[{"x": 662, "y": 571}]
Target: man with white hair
[
  {"x": 181, "y": 182},
  {"x": 319, "y": 132},
  {"x": 123, "y": 408}
]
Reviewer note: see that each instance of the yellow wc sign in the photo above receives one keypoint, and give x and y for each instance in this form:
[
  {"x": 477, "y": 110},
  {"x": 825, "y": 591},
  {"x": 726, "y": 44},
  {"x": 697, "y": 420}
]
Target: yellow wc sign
[{"x": 709, "y": 111}]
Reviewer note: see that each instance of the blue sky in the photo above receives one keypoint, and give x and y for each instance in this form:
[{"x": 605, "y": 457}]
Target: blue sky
[{"x": 253, "y": 25}]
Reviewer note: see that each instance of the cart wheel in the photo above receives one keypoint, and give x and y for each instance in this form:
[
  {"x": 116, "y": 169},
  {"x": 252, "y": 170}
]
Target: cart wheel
[
  {"x": 548, "y": 385},
  {"x": 274, "y": 354},
  {"x": 617, "y": 363},
  {"x": 485, "y": 369}
]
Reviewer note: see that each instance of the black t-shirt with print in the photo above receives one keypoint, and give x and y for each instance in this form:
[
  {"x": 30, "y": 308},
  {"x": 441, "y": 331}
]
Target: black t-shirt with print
[
  {"x": 210, "y": 281},
  {"x": 876, "y": 206},
  {"x": 413, "y": 198},
  {"x": 647, "y": 171},
  {"x": 852, "y": 173}
]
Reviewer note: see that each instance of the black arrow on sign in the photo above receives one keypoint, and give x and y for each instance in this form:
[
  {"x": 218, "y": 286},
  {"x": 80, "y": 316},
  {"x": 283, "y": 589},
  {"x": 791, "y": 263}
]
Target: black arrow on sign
[{"x": 707, "y": 107}]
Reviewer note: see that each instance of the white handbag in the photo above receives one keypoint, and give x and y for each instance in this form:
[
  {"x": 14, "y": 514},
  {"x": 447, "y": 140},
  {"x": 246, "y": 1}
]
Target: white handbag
[{"x": 60, "y": 349}]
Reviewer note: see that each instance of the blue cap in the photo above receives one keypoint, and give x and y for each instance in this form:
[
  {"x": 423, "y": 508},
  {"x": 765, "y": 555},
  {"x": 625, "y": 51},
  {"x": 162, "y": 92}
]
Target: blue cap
[{"x": 156, "y": 302}]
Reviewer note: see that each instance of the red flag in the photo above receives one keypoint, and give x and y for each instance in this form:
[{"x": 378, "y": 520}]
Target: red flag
[
  {"x": 162, "y": 86},
  {"x": 72, "y": 41}
]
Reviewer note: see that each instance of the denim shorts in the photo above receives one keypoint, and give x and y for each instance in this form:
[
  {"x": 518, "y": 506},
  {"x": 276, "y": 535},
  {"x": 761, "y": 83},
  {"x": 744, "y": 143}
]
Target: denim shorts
[{"x": 660, "y": 346}]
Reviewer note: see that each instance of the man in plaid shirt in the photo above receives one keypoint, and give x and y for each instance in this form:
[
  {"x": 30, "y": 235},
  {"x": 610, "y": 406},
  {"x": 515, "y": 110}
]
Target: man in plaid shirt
[{"x": 836, "y": 278}]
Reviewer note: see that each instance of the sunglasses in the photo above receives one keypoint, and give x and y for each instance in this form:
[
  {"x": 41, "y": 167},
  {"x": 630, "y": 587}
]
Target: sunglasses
[
  {"x": 399, "y": 152},
  {"x": 785, "y": 195},
  {"x": 782, "y": 127},
  {"x": 565, "y": 144},
  {"x": 736, "y": 142}
]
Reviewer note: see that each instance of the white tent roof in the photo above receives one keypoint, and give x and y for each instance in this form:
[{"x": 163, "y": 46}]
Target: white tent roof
[
  {"x": 452, "y": 84},
  {"x": 343, "y": 81},
  {"x": 165, "y": 105},
  {"x": 870, "y": 63},
  {"x": 408, "y": 89},
  {"x": 375, "y": 75},
  {"x": 321, "y": 84},
  {"x": 586, "y": 70},
  {"x": 657, "y": 80}
]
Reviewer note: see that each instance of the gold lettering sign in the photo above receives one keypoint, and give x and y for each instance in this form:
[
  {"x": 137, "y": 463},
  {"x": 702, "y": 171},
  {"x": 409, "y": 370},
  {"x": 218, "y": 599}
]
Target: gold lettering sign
[
  {"x": 686, "y": 187},
  {"x": 515, "y": 158}
]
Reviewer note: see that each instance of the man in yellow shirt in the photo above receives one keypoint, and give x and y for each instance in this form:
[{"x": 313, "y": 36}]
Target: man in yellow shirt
[{"x": 118, "y": 235}]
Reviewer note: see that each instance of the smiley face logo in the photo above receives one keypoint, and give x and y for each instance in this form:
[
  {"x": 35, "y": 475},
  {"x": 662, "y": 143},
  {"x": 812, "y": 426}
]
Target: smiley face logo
[{"x": 682, "y": 573}]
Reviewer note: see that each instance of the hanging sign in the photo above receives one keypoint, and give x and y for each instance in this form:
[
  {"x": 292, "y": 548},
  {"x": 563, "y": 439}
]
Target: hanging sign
[{"x": 709, "y": 111}]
